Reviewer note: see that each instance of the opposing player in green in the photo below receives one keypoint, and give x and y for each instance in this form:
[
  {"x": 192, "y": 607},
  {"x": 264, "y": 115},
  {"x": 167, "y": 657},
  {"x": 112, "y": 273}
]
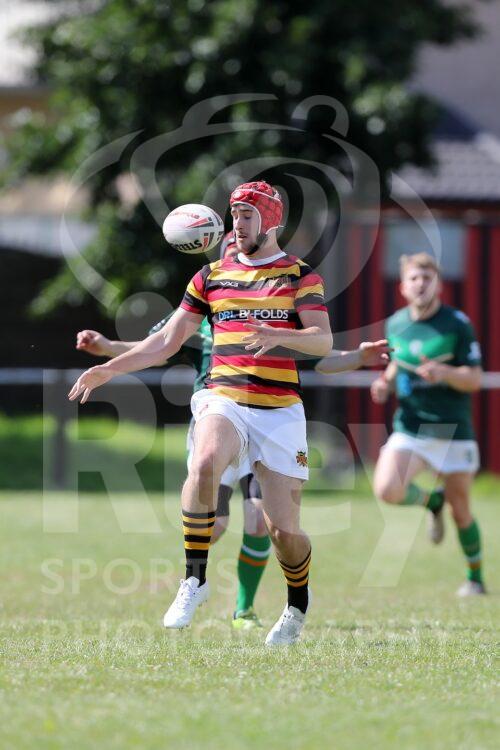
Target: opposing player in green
[{"x": 435, "y": 366}]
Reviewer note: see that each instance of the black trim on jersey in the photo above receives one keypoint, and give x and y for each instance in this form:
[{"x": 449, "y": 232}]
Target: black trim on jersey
[
  {"x": 234, "y": 381},
  {"x": 202, "y": 308},
  {"x": 238, "y": 350},
  {"x": 290, "y": 281},
  {"x": 246, "y": 402},
  {"x": 313, "y": 298}
]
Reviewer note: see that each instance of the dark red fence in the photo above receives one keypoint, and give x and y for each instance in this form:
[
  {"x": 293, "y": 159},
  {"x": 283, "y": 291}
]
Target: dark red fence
[{"x": 370, "y": 298}]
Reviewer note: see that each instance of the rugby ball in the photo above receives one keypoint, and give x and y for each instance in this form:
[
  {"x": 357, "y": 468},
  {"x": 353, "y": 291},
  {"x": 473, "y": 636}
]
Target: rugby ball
[{"x": 193, "y": 228}]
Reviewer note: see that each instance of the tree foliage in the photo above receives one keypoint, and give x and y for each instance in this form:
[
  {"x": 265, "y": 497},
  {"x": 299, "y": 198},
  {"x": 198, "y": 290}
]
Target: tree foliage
[{"x": 123, "y": 66}]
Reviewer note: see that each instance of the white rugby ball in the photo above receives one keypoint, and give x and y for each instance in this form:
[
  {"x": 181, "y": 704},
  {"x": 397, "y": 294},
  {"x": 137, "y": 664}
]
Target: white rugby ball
[{"x": 193, "y": 228}]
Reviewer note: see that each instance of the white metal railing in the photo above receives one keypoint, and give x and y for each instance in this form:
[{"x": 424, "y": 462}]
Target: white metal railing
[
  {"x": 182, "y": 375},
  {"x": 56, "y": 383}
]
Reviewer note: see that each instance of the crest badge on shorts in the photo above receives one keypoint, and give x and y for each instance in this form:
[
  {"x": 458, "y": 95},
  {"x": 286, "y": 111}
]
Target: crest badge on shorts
[{"x": 301, "y": 458}]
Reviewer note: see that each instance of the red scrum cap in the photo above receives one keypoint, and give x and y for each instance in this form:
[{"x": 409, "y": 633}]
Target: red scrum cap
[{"x": 264, "y": 199}]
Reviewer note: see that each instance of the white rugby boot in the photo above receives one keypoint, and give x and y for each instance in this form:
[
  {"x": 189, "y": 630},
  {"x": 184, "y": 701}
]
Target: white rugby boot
[
  {"x": 287, "y": 629},
  {"x": 189, "y": 597},
  {"x": 471, "y": 588}
]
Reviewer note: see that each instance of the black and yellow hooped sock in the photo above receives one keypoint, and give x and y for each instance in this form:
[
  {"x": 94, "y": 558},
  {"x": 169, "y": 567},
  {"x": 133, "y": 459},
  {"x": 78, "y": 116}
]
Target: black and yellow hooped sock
[
  {"x": 197, "y": 529},
  {"x": 297, "y": 579}
]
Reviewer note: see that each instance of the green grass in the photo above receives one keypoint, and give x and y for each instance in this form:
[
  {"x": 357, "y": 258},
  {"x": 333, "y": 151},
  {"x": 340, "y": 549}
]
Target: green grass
[
  {"x": 156, "y": 459},
  {"x": 160, "y": 456},
  {"x": 86, "y": 664}
]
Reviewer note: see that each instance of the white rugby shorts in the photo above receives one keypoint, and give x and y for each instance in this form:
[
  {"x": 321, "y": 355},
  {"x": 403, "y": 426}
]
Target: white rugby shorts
[
  {"x": 275, "y": 437},
  {"x": 443, "y": 456}
]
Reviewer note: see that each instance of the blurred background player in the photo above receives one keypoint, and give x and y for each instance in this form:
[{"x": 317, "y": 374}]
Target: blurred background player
[
  {"x": 435, "y": 367},
  {"x": 256, "y": 545}
]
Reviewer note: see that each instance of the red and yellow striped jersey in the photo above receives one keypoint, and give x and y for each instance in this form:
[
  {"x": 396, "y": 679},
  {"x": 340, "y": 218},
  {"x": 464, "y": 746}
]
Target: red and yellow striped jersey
[{"x": 227, "y": 292}]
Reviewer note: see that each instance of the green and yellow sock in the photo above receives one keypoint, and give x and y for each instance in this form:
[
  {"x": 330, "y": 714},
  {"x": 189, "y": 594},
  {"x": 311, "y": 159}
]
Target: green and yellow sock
[
  {"x": 252, "y": 561},
  {"x": 297, "y": 579},
  {"x": 415, "y": 495},
  {"x": 197, "y": 529},
  {"x": 470, "y": 541}
]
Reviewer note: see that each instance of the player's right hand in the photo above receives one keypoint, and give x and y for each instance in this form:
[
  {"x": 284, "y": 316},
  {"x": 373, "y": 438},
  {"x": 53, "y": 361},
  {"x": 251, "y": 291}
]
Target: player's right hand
[
  {"x": 90, "y": 379},
  {"x": 380, "y": 391},
  {"x": 92, "y": 342}
]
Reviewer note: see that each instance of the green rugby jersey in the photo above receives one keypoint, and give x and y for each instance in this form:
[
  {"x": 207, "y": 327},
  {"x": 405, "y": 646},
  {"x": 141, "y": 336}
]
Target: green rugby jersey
[
  {"x": 203, "y": 360},
  {"x": 199, "y": 355},
  {"x": 429, "y": 409}
]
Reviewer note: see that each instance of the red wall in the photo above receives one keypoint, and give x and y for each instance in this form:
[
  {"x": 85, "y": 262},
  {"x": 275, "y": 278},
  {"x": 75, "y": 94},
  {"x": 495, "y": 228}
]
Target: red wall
[{"x": 481, "y": 301}]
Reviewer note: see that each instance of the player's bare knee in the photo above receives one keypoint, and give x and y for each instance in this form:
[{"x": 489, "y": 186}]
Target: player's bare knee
[
  {"x": 204, "y": 467},
  {"x": 389, "y": 493},
  {"x": 203, "y": 483},
  {"x": 283, "y": 540}
]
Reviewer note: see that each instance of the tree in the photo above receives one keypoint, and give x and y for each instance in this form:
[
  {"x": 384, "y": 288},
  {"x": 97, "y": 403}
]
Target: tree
[{"x": 119, "y": 66}]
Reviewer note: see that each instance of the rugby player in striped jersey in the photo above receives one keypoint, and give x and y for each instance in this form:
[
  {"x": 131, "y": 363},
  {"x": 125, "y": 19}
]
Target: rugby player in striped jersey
[
  {"x": 264, "y": 307},
  {"x": 255, "y": 546}
]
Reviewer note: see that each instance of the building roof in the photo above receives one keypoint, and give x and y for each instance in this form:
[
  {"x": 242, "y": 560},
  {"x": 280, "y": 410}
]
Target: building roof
[
  {"x": 31, "y": 218},
  {"x": 462, "y": 75},
  {"x": 466, "y": 169}
]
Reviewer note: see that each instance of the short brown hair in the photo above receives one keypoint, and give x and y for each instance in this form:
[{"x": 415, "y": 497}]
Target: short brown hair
[{"x": 420, "y": 260}]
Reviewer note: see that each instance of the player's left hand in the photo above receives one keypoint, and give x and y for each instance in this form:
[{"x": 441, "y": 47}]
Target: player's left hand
[
  {"x": 373, "y": 353},
  {"x": 432, "y": 371},
  {"x": 92, "y": 342},
  {"x": 89, "y": 380},
  {"x": 262, "y": 337}
]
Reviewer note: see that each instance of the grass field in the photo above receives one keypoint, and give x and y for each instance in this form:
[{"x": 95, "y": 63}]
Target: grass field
[{"x": 396, "y": 663}]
